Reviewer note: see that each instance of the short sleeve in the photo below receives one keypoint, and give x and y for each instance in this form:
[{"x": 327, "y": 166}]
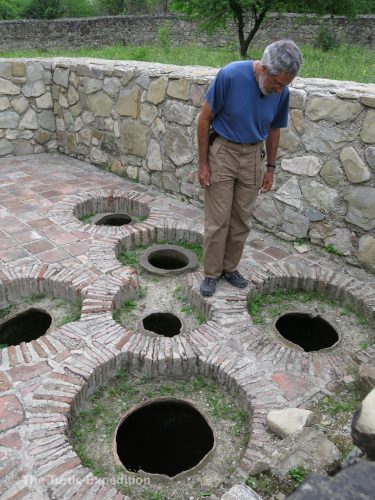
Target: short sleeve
[
  {"x": 217, "y": 91},
  {"x": 281, "y": 118}
]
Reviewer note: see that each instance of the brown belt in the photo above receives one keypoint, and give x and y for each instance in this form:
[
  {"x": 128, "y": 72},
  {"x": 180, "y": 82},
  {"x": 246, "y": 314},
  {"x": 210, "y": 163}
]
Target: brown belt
[{"x": 214, "y": 134}]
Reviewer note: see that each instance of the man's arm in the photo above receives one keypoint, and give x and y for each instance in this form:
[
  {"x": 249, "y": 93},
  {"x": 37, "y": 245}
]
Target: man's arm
[
  {"x": 272, "y": 143},
  {"x": 203, "y": 130}
]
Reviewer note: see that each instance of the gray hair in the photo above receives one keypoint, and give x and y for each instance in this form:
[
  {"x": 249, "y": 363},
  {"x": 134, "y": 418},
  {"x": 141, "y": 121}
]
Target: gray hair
[{"x": 282, "y": 56}]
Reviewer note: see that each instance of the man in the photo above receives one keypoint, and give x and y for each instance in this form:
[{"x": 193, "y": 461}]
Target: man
[{"x": 246, "y": 104}]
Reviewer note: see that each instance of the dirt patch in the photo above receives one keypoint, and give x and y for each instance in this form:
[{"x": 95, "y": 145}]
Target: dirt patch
[
  {"x": 93, "y": 432},
  {"x": 163, "y": 294},
  {"x": 159, "y": 294}
]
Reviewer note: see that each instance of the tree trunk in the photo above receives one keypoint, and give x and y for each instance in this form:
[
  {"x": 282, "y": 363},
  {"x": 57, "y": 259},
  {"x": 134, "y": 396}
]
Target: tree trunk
[{"x": 245, "y": 42}]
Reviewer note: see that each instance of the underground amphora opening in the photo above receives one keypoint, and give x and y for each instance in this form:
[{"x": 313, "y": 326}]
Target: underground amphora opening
[
  {"x": 114, "y": 220},
  {"x": 166, "y": 436},
  {"x": 165, "y": 260},
  {"x": 25, "y": 326},
  {"x": 311, "y": 333},
  {"x": 162, "y": 323}
]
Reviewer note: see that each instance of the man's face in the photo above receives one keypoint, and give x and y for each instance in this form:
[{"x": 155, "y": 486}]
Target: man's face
[{"x": 271, "y": 84}]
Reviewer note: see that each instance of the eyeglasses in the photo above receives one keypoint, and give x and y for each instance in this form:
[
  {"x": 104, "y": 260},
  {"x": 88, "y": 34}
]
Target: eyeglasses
[{"x": 277, "y": 83}]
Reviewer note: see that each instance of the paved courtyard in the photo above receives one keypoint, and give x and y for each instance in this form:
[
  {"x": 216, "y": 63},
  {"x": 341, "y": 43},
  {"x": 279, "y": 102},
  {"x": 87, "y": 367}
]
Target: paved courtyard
[{"x": 46, "y": 249}]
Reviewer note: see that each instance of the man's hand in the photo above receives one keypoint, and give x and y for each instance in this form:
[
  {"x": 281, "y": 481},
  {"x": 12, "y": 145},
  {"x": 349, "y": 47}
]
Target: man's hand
[
  {"x": 267, "y": 181},
  {"x": 204, "y": 174}
]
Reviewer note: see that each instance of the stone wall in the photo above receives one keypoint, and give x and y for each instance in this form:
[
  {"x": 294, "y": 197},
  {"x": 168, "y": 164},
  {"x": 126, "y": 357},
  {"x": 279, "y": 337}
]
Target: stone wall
[
  {"x": 139, "y": 120},
  {"x": 141, "y": 30},
  {"x": 27, "y": 122}
]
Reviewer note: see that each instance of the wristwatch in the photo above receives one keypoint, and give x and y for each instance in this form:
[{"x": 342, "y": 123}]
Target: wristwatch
[{"x": 271, "y": 165}]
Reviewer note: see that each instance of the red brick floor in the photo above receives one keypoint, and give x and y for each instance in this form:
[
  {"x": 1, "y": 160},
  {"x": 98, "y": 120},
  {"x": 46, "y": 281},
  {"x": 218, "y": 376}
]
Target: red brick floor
[{"x": 45, "y": 248}]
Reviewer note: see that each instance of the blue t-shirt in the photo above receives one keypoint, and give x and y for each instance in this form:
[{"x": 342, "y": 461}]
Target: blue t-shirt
[{"x": 241, "y": 114}]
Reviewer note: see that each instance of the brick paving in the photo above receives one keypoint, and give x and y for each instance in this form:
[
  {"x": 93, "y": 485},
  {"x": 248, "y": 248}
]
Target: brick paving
[{"x": 45, "y": 248}]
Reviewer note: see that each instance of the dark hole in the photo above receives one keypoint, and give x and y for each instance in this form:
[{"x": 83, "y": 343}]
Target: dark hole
[
  {"x": 312, "y": 333},
  {"x": 334, "y": 468},
  {"x": 163, "y": 324},
  {"x": 168, "y": 259},
  {"x": 165, "y": 437},
  {"x": 26, "y": 326},
  {"x": 114, "y": 220}
]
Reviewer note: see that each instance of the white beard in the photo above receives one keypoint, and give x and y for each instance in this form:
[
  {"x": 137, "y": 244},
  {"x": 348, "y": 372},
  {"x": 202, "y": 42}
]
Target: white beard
[{"x": 262, "y": 89}]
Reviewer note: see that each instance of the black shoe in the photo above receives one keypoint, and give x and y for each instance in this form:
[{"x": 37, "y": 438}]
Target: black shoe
[
  {"x": 234, "y": 278},
  {"x": 208, "y": 287}
]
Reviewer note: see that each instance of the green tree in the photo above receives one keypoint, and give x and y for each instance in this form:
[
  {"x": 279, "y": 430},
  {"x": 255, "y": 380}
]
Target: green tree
[
  {"x": 53, "y": 9},
  {"x": 11, "y": 9},
  {"x": 123, "y": 7},
  {"x": 77, "y": 8},
  {"x": 43, "y": 9},
  {"x": 212, "y": 15},
  {"x": 366, "y": 7}
]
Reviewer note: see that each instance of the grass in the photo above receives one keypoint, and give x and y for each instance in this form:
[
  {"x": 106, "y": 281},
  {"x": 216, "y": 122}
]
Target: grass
[
  {"x": 342, "y": 63},
  {"x": 34, "y": 298},
  {"x": 281, "y": 299},
  {"x": 299, "y": 474},
  {"x": 4, "y": 312},
  {"x": 339, "y": 409},
  {"x": 331, "y": 249},
  {"x": 128, "y": 307},
  {"x": 193, "y": 247},
  {"x": 201, "y": 319},
  {"x": 131, "y": 257},
  {"x": 73, "y": 314},
  {"x": 177, "y": 293},
  {"x": 267, "y": 485},
  {"x": 344, "y": 402},
  {"x": 86, "y": 219}
]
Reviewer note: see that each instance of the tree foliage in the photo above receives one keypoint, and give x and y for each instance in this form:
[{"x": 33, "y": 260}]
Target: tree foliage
[
  {"x": 77, "y": 8},
  {"x": 11, "y": 9},
  {"x": 44, "y": 9},
  {"x": 124, "y": 7},
  {"x": 212, "y": 15}
]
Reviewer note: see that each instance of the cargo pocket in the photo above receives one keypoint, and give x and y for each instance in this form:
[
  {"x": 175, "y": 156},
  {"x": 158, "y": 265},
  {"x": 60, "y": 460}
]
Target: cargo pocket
[
  {"x": 260, "y": 168},
  {"x": 214, "y": 160}
]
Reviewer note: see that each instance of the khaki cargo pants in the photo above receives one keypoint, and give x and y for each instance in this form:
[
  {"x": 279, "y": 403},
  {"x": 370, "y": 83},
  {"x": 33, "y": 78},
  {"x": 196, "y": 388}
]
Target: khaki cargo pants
[{"x": 236, "y": 174}]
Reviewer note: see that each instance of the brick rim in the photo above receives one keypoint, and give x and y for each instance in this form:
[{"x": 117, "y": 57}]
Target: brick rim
[{"x": 67, "y": 211}]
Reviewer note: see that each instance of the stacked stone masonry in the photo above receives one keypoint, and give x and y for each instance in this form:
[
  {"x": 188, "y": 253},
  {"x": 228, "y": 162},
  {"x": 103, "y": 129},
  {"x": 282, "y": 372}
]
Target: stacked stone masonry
[
  {"x": 144, "y": 30},
  {"x": 139, "y": 120}
]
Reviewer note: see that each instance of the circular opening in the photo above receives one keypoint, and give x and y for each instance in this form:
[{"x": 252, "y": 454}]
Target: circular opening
[
  {"x": 168, "y": 259},
  {"x": 24, "y": 327},
  {"x": 165, "y": 260},
  {"x": 163, "y": 437},
  {"x": 114, "y": 220},
  {"x": 312, "y": 333},
  {"x": 166, "y": 324}
]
